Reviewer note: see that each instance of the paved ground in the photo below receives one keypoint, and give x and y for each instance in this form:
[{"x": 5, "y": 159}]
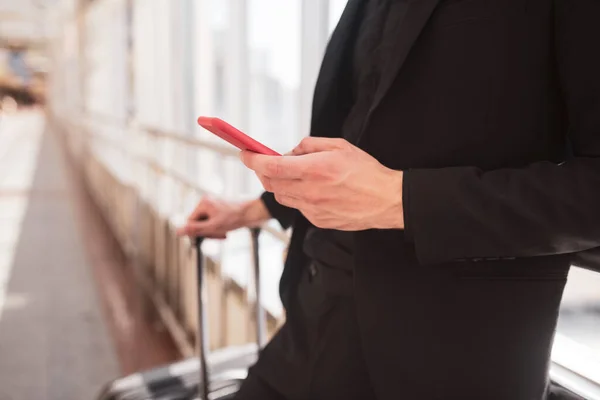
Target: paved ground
[{"x": 54, "y": 343}]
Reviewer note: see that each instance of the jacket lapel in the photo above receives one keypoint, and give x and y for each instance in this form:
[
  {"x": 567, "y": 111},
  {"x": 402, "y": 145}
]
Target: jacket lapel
[
  {"x": 413, "y": 18},
  {"x": 332, "y": 84}
]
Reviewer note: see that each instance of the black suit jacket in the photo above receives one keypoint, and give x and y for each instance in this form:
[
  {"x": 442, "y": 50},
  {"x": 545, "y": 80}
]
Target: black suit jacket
[{"x": 477, "y": 104}]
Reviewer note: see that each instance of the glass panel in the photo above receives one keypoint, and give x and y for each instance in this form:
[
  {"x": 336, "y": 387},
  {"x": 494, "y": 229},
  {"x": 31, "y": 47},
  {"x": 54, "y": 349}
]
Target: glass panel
[
  {"x": 144, "y": 65},
  {"x": 580, "y": 310},
  {"x": 577, "y": 344},
  {"x": 212, "y": 55},
  {"x": 274, "y": 58},
  {"x": 106, "y": 61},
  {"x": 336, "y": 7},
  {"x": 219, "y": 29}
]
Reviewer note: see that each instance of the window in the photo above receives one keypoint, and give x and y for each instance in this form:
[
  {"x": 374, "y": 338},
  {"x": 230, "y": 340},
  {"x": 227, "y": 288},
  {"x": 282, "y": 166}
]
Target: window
[
  {"x": 219, "y": 26},
  {"x": 580, "y": 310},
  {"x": 106, "y": 60},
  {"x": 336, "y": 7},
  {"x": 145, "y": 67},
  {"x": 577, "y": 344},
  {"x": 274, "y": 63}
]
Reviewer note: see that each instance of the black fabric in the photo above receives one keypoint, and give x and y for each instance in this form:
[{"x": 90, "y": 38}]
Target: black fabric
[
  {"x": 368, "y": 62},
  {"x": 317, "y": 353},
  {"x": 284, "y": 215},
  {"x": 330, "y": 247},
  {"x": 559, "y": 393},
  {"x": 475, "y": 102},
  {"x": 256, "y": 388}
]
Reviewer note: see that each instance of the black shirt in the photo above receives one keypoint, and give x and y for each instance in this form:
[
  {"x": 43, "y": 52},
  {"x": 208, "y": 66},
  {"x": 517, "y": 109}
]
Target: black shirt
[{"x": 328, "y": 247}]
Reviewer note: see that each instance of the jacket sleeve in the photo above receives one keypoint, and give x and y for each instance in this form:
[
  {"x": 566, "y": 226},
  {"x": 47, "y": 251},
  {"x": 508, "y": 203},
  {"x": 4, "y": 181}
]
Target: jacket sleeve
[
  {"x": 542, "y": 209},
  {"x": 284, "y": 215}
]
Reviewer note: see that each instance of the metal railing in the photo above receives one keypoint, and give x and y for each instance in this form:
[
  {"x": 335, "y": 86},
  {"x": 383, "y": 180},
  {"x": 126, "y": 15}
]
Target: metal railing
[{"x": 122, "y": 169}]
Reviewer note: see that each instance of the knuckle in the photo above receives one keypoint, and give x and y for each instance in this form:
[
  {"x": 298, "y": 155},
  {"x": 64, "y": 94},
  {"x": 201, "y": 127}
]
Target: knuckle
[
  {"x": 307, "y": 141},
  {"x": 312, "y": 170},
  {"x": 317, "y": 170},
  {"x": 267, "y": 184},
  {"x": 281, "y": 199},
  {"x": 320, "y": 170},
  {"x": 314, "y": 197},
  {"x": 206, "y": 206},
  {"x": 343, "y": 143},
  {"x": 316, "y": 221},
  {"x": 273, "y": 167}
]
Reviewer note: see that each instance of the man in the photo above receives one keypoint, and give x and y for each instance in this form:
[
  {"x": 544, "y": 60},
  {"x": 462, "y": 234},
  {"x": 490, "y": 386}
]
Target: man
[{"x": 435, "y": 207}]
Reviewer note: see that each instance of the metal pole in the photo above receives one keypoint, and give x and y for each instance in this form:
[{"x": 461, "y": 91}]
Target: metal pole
[
  {"x": 261, "y": 321},
  {"x": 202, "y": 337}
]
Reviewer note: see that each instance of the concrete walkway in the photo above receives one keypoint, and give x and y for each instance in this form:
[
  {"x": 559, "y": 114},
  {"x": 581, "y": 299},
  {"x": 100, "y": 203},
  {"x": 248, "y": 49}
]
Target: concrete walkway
[{"x": 54, "y": 343}]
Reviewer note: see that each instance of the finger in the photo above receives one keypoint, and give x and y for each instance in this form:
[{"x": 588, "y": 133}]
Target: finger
[
  {"x": 289, "y": 201},
  {"x": 200, "y": 228},
  {"x": 310, "y": 145},
  {"x": 287, "y": 187},
  {"x": 275, "y": 167},
  {"x": 219, "y": 236},
  {"x": 190, "y": 231},
  {"x": 201, "y": 211},
  {"x": 290, "y": 188},
  {"x": 266, "y": 182},
  {"x": 184, "y": 231}
]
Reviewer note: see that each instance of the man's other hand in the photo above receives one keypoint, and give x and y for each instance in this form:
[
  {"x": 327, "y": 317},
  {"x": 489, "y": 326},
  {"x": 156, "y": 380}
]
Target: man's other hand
[
  {"x": 213, "y": 218},
  {"x": 334, "y": 184}
]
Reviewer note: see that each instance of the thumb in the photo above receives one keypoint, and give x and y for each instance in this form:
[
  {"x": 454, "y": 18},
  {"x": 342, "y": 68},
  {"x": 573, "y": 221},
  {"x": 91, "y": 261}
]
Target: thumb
[
  {"x": 317, "y": 144},
  {"x": 202, "y": 210}
]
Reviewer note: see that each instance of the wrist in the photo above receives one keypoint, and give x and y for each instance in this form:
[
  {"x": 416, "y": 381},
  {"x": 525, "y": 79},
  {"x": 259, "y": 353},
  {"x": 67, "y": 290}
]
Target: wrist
[
  {"x": 395, "y": 215},
  {"x": 253, "y": 213}
]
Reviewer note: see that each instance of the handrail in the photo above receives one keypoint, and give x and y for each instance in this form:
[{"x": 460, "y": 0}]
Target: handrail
[
  {"x": 224, "y": 150},
  {"x": 574, "y": 382},
  {"x": 577, "y": 357},
  {"x": 175, "y": 136},
  {"x": 168, "y": 291},
  {"x": 193, "y": 141}
]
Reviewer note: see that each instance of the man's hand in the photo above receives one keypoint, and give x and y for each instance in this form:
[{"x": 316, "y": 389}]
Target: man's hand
[
  {"x": 213, "y": 218},
  {"x": 334, "y": 184}
]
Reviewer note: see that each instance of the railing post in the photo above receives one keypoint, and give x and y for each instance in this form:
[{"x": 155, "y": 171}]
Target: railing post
[
  {"x": 261, "y": 321},
  {"x": 202, "y": 337}
]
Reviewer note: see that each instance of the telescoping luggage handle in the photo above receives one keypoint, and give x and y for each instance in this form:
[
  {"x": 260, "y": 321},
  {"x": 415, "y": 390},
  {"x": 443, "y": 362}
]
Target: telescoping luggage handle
[{"x": 202, "y": 338}]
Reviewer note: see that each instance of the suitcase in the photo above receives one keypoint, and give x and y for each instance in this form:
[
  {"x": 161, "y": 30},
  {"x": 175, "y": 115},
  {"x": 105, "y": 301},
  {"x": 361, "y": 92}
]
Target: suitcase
[{"x": 223, "y": 369}]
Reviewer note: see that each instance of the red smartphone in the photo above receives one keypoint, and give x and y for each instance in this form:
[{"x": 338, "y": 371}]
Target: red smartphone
[{"x": 234, "y": 136}]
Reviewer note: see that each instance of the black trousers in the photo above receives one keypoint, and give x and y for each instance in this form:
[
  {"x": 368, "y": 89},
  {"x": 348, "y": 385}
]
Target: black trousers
[{"x": 317, "y": 354}]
